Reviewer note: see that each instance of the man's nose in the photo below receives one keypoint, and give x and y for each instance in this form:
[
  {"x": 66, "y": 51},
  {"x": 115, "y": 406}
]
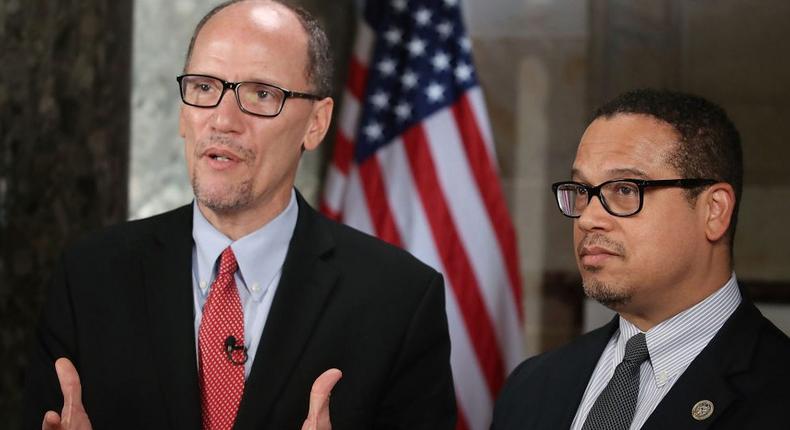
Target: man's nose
[
  {"x": 227, "y": 116},
  {"x": 594, "y": 216}
]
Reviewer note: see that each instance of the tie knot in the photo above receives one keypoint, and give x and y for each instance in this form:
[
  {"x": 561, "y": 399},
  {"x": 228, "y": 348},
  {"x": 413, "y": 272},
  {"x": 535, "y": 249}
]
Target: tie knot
[
  {"x": 636, "y": 349},
  {"x": 227, "y": 262}
]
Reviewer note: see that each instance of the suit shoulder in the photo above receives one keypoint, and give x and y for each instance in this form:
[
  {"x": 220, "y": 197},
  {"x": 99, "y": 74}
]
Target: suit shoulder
[
  {"x": 550, "y": 382},
  {"x": 366, "y": 249},
  {"x": 775, "y": 336},
  {"x": 549, "y": 359},
  {"x": 586, "y": 348},
  {"x": 773, "y": 349},
  {"x": 121, "y": 235}
]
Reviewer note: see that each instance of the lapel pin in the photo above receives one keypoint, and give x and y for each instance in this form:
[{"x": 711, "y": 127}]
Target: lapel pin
[{"x": 702, "y": 410}]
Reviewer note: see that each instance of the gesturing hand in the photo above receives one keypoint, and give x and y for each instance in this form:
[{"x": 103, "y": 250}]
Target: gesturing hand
[
  {"x": 318, "y": 414},
  {"x": 73, "y": 415}
]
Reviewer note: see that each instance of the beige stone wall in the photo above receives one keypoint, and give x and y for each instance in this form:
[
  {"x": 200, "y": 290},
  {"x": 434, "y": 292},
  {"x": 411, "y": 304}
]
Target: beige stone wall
[
  {"x": 730, "y": 51},
  {"x": 734, "y": 53}
]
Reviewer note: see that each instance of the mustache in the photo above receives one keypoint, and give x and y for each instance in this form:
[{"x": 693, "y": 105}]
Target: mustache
[
  {"x": 226, "y": 142},
  {"x": 597, "y": 239}
]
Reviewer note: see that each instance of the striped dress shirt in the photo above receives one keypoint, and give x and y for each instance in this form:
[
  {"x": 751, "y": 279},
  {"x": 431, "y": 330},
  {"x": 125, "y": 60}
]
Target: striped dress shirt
[{"x": 673, "y": 345}]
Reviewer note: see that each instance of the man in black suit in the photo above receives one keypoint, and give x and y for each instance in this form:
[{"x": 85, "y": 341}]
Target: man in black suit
[
  {"x": 143, "y": 312},
  {"x": 687, "y": 350}
]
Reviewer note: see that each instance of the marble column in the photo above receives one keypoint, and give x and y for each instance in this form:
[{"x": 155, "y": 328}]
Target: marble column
[{"x": 64, "y": 89}]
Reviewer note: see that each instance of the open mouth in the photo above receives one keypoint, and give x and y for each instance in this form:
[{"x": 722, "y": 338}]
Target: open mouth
[{"x": 221, "y": 155}]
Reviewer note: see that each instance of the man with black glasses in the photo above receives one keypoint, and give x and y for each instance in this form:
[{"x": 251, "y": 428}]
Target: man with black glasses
[
  {"x": 654, "y": 196},
  {"x": 221, "y": 314}
]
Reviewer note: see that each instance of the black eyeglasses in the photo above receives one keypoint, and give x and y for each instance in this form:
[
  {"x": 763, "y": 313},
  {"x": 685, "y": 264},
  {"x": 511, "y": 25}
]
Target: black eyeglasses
[
  {"x": 620, "y": 197},
  {"x": 256, "y": 98}
]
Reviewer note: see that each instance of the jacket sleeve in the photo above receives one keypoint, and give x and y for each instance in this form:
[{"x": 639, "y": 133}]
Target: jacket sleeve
[
  {"x": 421, "y": 394},
  {"x": 54, "y": 337},
  {"x": 511, "y": 399}
]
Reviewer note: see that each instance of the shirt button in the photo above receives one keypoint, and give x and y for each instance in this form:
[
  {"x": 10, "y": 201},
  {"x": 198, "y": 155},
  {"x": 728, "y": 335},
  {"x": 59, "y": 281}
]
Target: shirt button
[
  {"x": 203, "y": 285},
  {"x": 255, "y": 287},
  {"x": 662, "y": 377}
]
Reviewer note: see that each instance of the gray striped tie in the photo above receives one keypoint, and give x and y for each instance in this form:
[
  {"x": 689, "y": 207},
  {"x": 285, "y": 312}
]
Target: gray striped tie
[{"x": 614, "y": 408}]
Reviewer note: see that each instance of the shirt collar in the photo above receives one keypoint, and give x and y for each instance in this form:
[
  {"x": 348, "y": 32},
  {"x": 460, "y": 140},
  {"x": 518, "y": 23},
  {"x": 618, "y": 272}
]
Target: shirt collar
[
  {"x": 674, "y": 343},
  {"x": 260, "y": 254}
]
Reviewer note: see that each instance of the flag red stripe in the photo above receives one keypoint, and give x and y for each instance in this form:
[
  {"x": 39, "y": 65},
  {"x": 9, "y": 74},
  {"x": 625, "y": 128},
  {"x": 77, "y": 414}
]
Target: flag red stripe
[
  {"x": 454, "y": 258},
  {"x": 490, "y": 190},
  {"x": 376, "y": 198},
  {"x": 460, "y": 423},
  {"x": 328, "y": 212},
  {"x": 343, "y": 152},
  {"x": 357, "y": 78}
]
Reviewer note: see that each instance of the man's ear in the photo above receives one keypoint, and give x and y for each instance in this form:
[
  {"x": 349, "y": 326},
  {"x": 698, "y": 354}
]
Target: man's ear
[
  {"x": 320, "y": 117},
  {"x": 719, "y": 201}
]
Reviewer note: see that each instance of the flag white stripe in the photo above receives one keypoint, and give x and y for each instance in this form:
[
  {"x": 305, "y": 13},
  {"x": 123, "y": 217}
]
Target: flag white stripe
[
  {"x": 406, "y": 209},
  {"x": 363, "y": 45},
  {"x": 471, "y": 389},
  {"x": 409, "y": 214},
  {"x": 334, "y": 188},
  {"x": 355, "y": 210},
  {"x": 348, "y": 120},
  {"x": 474, "y": 227},
  {"x": 477, "y": 101},
  {"x": 335, "y": 183}
]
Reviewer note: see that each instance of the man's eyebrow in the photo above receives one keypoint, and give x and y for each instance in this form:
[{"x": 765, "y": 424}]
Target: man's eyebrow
[
  {"x": 625, "y": 172},
  {"x": 630, "y": 172}
]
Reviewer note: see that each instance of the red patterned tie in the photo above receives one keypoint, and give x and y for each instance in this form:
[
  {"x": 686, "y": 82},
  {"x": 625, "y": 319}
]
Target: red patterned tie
[{"x": 221, "y": 370}]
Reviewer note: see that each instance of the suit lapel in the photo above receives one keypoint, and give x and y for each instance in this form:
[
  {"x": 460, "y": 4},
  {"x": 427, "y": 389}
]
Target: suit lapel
[
  {"x": 166, "y": 264},
  {"x": 572, "y": 382},
  {"x": 709, "y": 375},
  {"x": 305, "y": 285}
]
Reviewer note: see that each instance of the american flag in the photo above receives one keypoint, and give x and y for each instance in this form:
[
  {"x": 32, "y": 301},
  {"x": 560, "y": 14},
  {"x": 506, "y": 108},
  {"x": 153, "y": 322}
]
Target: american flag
[{"x": 414, "y": 164}]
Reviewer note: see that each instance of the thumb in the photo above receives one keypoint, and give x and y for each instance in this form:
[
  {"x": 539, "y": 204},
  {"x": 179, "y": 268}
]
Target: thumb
[
  {"x": 318, "y": 413},
  {"x": 70, "y": 387}
]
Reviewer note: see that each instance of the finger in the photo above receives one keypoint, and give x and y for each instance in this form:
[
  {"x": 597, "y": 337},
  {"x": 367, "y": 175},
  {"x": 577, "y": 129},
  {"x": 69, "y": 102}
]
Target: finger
[
  {"x": 70, "y": 387},
  {"x": 51, "y": 421},
  {"x": 324, "y": 384},
  {"x": 318, "y": 413}
]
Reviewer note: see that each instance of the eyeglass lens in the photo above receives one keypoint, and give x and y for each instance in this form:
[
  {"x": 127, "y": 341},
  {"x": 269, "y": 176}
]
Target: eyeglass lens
[
  {"x": 203, "y": 91},
  {"x": 618, "y": 198}
]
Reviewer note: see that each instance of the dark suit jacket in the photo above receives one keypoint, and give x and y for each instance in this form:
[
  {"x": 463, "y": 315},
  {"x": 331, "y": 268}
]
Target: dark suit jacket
[
  {"x": 743, "y": 371},
  {"x": 121, "y": 308}
]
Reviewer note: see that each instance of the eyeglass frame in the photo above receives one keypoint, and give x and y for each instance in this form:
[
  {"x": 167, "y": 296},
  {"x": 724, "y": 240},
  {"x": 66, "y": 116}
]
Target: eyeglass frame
[
  {"x": 227, "y": 85},
  {"x": 641, "y": 184}
]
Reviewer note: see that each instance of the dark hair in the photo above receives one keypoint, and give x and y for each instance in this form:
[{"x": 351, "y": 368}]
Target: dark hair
[
  {"x": 709, "y": 145},
  {"x": 319, "y": 57}
]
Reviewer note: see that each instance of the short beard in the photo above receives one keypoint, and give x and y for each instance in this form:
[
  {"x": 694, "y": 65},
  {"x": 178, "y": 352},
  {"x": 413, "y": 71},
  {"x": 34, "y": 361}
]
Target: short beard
[
  {"x": 606, "y": 294},
  {"x": 230, "y": 199}
]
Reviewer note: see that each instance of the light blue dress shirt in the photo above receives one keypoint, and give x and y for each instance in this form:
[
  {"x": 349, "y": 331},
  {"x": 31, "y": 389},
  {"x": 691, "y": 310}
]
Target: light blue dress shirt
[{"x": 260, "y": 256}]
